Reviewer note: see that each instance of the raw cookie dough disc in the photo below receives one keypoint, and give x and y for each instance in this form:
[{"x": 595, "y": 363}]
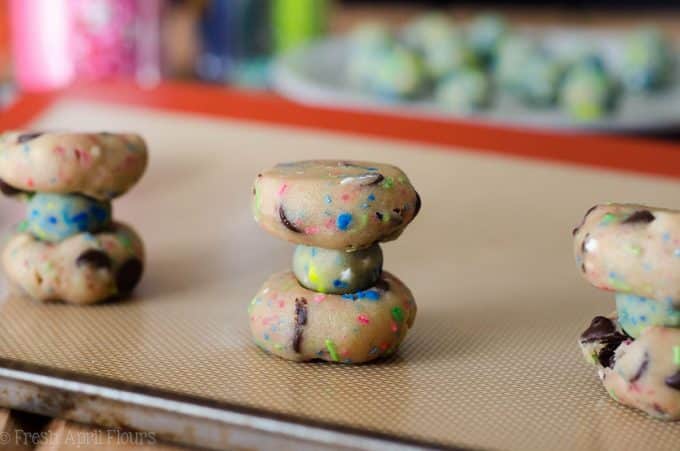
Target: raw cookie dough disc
[
  {"x": 642, "y": 373},
  {"x": 631, "y": 249},
  {"x": 83, "y": 269},
  {"x": 345, "y": 205},
  {"x": 636, "y": 313},
  {"x": 55, "y": 217},
  {"x": 99, "y": 165},
  {"x": 337, "y": 272},
  {"x": 295, "y": 323}
]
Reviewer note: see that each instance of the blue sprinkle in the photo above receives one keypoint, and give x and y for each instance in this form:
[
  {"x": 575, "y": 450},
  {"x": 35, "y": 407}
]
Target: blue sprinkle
[
  {"x": 374, "y": 350},
  {"x": 26, "y": 148},
  {"x": 328, "y": 199},
  {"x": 666, "y": 236},
  {"x": 266, "y": 336},
  {"x": 677, "y": 252},
  {"x": 343, "y": 221},
  {"x": 371, "y": 197},
  {"x": 99, "y": 213},
  {"x": 52, "y": 220},
  {"x": 337, "y": 283},
  {"x": 371, "y": 295},
  {"x": 313, "y": 252}
]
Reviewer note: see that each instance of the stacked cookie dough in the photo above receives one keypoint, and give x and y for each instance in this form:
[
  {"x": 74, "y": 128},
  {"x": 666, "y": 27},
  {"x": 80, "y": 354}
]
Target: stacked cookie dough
[
  {"x": 68, "y": 248},
  {"x": 634, "y": 251},
  {"x": 337, "y": 303}
]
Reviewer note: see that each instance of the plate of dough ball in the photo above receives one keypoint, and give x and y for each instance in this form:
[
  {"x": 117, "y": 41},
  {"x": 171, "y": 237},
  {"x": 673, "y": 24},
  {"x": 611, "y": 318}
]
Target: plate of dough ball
[{"x": 487, "y": 70}]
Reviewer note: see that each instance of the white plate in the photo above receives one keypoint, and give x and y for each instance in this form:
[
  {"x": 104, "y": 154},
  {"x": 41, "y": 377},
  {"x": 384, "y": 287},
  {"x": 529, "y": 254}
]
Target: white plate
[{"x": 315, "y": 75}]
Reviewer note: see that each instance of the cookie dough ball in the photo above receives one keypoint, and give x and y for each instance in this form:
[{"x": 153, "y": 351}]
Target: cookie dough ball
[
  {"x": 588, "y": 92},
  {"x": 514, "y": 53},
  {"x": 637, "y": 313},
  {"x": 464, "y": 91},
  {"x": 334, "y": 204},
  {"x": 368, "y": 43},
  {"x": 83, "y": 269},
  {"x": 447, "y": 54},
  {"x": 485, "y": 34},
  {"x": 427, "y": 30},
  {"x": 55, "y": 217},
  {"x": 541, "y": 80},
  {"x": 337, "y": 272},
  {"x": 298, "y": 324},
  {"x": 399, "y": 74},
  {"x": 648, "y": 60},
  {"x": 631, "y": 249},
  {"x": 99, "y": 165}
]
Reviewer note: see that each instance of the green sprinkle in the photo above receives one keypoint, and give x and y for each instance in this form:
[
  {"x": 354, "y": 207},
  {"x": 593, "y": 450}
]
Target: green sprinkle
[
  {"x": 332, "y": 350},
  {"x": 401, "y": 179},
  {"x": 278, "y": 346},
  {"x": 613, "y": 395},
  {"x": 608, "y": 218},
  {"x": 635, "y": 250},
  {"x": 23, "y": 226},
  {"x": 388, "y": 183},
  {"x": 398, "y": 314},
  {"x": 386, "y": 217},
  {"x": 125, "y": 241},
  {"x": 676, "y": 355}
]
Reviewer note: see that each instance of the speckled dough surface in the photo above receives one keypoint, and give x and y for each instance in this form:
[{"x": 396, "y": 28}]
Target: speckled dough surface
[
  {"x": 295, "y": 323},
  {"x": 636, "y": 313},
  {"x": 99, "y": 165},
  {"x": 334, "y": 204},
  {"x": 337, "y": 272},
  {"x": 642, "y": 373},
  {"x": 631, "y": 249},
  {"x": 55, "y": 217},
  {"x": 83, "y": 269}
]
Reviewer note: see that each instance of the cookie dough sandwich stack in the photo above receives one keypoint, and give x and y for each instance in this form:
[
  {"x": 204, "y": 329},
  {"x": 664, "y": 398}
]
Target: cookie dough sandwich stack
[
  {"x": 69, "y": 248},
  {"x": 634, "y": 251},
  {"x": 337, "y": 303}
]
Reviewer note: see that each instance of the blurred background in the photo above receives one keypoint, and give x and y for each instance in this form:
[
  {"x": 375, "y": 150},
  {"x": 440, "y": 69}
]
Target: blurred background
[{"x": 596, "y": 65}]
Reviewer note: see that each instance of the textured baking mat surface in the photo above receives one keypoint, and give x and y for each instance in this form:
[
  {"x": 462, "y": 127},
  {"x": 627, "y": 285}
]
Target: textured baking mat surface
[{"x": 492, "y": 361}]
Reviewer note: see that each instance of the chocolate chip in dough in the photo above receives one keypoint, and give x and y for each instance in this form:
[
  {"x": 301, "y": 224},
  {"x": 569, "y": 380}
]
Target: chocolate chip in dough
[
  {"x": 8, "y": 190},
  {"x": 583, "y": 221},
  {"x": 94, "y": 258},
  {"x": 286, "y": 222},
  {"x": 674, "y": 381},
  {"x": 129, "y": 275},
  {"x": 25, "y": 137},
  {"x": 419, "y": 204},
  {"x": 300, "y": 322},
  {"x": 640, "y": 217},
  {"x": 642, "y": 370},
  {"x": 600, "y": 329}
]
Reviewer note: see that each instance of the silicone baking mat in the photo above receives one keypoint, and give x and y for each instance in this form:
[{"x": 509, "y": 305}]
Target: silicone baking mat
[{"x": 492, "y": 361}]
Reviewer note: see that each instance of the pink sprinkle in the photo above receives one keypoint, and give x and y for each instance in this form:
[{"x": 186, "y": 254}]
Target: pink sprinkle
[
  {"x": 283, "y": 189},
  {"x": 330, "y": 224},
  {"x": 59, "y": 150},
  {"x": 319, "y": 298},
  {"x": 394, "y": 327},
  {"x": 363, "y": 319},
  {"x": 282, "y": 303},
  {"x": 384, "y": 346},
  {"x": 345, "y": 197},
  {"x": 344, "y": 352},
  {"x": 29, "y": 182},
  {"x": 312, "y": 230}
]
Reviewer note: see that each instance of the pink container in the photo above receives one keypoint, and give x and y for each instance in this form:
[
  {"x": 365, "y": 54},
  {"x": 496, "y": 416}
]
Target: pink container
[
  {"x": 60, "y": 41},
  {"x": 40, "y": 44}
]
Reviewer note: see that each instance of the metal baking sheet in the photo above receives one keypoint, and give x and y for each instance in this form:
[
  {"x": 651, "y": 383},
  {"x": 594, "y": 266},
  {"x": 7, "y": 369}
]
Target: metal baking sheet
[{"x": 491, "y": 363}]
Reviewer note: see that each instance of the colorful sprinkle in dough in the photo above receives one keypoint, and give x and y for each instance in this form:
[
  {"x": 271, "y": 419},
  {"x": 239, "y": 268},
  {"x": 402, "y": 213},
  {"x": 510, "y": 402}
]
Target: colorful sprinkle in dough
[
  {"x": 98, "y": 165},
  {"x": 55, "y": 217},
  {"x": 637, "y": 313},
  {"x": 337, "y": 272},
  {"x": 359, "y": 192},
  {"x": 631, "y": 248},
  {"x": 640, "y": 373},
  {"x": 83, "y": 269},
  {"x": 353, "y": 328}
]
